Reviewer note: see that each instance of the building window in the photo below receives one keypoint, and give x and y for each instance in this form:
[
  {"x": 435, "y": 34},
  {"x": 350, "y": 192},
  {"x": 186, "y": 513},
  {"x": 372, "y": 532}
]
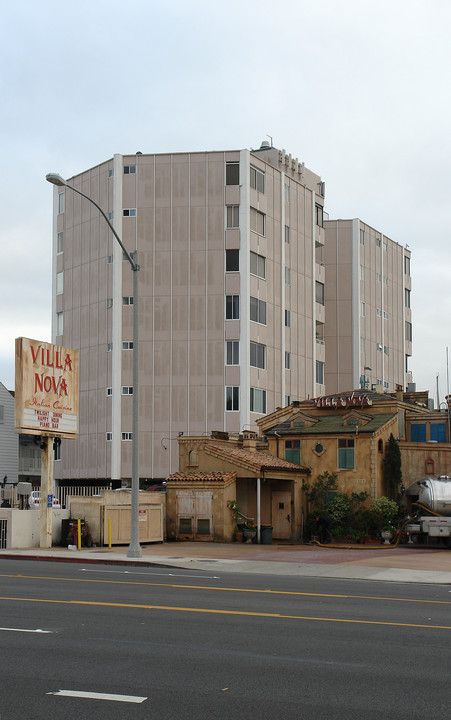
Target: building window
[
  {"x": 386, "y": 384},
  {"x": 287, "y": 276},
  {"x": 362, "y": 309},
  {"x": 257, "y": 179},
  {"x": 293, "y": 451},
  {"x": 378, "y": 242},
  {"x": 109, "y": 436},
  {"x": 258, "y": 355},
  {"x": 232, "y": 260},
  {"x": 287, "y": 234},
  {"x": 59, "y": 283},
  {"x": 127, "y": 345},
  {"x": 110, "y": 172},
  {"x": 407, "y": 297},
  {"x": 232, "y": 352},
  {"x": 408, "y": 331},
  {"x": 362, "y": 236},
  {"x": 232, "y": 307},
  {"x": 287, "y": 400},
  {"x": 406, "y": 265},
  {"x": 232, "y": 173},
  {"x": 60, "y": 242},
  {"x": 287, "y": 193},
  {"x": 379, "y": 347},
  {"x": 109, "y": 391},
  {"x": 386, "y": 350},
  {"x": 320, "y": 372},
  {"x": 127, "y": 436},
  {"x": 287, "y": 361},
  {"x": 129, "y": 212},
  {"x": 258, "y": 265},
  {"x": 109, "y": 259},
  {"x": 109, "y": 303},
  {"x": 438, "y": 432},
  {"x": 258, "y": 311},
  {"x": 379, "y": 277},
  {"x": 319, "y": 292},
  {"x": 127, "y": 390},
  {"x": 59, "y": 323},
  {"x": 346, "y": 454},
  {"x": 385, "y": 315},
  {"x": 362, "y": 345},
  {"x": 386, "y": 246},
  {"x": 362, "y": 272},
  {"x": 287, "y": 318},
  {"x": 109, "y": 347},
  {"x": 380, "y": 446},
  {"x": 129, "y": 169},
  {"x": 258, "y": 222},
  {"x": 233, "y": 216},
  {"x": 61, "y": 202},
  {"x": 378, "y": 312},
  {"x": 127, "y": 300},
  {"x": 418, "y": 432},
  {"x": 110, "y": 215},
  {"x": 232, "y": 398},
  {"x": 258, "y": 401},
  {"x": 385, "y": 280},
  {"x": 319, "y": 215}
]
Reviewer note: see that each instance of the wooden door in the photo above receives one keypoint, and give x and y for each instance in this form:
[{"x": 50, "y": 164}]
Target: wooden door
[
  {"x": 195, "y": 514},
  {"x": 281, "y": 515}
]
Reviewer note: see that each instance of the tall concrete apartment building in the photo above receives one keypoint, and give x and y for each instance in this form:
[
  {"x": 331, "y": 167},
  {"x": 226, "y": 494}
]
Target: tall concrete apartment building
[
  {"x": 231, "y": 299},
  {"x": 368, "y": 328}
]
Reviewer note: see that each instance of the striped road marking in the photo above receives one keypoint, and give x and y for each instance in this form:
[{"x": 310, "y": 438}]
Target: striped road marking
[
  {"x": 25, "y": 630},
  {"x": 99, "y": 696}
]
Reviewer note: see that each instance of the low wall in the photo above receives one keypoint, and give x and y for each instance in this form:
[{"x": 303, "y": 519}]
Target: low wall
[{"x": 23, "y": 527}]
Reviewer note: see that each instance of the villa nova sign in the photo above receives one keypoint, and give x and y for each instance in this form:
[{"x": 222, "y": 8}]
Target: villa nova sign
[
  {"x": 46, "y": 399},
  {"x": 337, "y": 401}
]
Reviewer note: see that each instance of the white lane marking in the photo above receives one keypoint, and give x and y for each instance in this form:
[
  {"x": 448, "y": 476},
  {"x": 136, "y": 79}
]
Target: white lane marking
[
  {"x": 99, "y": 696},
  {"x": 128, "y": 572},
  {"x": 25, "y": 630}
]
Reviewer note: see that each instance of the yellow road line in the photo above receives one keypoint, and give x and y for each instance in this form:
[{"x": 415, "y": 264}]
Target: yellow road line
[
  {"x": 212, "y": 611},
  {"x": 225, "y": 589}
]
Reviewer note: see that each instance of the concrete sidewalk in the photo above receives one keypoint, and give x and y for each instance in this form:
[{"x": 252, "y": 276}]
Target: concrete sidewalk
[{"x": 405, "y": 563}]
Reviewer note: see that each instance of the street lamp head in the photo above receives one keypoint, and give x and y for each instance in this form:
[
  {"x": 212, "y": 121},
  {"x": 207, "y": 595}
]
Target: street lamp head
[{"x": 55, "y": 179}]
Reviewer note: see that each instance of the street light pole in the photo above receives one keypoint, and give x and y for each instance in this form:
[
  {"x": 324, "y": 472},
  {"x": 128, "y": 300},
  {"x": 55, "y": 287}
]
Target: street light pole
[{"x": 134, "y": 549}]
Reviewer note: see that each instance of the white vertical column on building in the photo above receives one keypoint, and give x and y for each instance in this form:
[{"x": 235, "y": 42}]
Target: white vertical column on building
[
  {"x": 314, "y": 292},
  {"x": 403, "y": 331},
  {"x": 282, "y": 299},
  {"x": 245, "y": 233},
  {"x": 171, "y": 310},
  {"x": 355, "y": 303},
  {"x": 188, "y": 302},
  {"x": 116, "y": 360},
  {"x": 382, "y": 310},
  {"x": 337, "y": 300},
  {"x": 54, "y": 252}
]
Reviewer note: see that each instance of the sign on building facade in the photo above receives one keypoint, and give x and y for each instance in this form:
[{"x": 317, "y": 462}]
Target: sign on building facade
[{"x": 46, "y": 398}]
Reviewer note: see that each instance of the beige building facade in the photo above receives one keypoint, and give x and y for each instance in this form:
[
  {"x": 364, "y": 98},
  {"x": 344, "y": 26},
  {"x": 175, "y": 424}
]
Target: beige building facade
[
  {"x": 231, "y": 315},
  {"x": 368, "y": 328}
]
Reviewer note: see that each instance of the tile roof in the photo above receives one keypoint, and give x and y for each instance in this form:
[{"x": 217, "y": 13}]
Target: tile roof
[
  {"x": 250, "y": 459},
  {"x": 333, "y": 424},
  {"x": 201, "y": 477}
]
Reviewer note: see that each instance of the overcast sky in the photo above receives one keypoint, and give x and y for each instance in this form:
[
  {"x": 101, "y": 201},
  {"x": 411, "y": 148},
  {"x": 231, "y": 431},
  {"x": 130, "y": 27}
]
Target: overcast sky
[{"x": 359, "y": 91}]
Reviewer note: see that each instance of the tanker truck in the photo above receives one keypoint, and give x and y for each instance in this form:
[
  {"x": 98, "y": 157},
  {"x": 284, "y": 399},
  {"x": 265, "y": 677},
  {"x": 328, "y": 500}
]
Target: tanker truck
[{"x": 428, "y": 503}]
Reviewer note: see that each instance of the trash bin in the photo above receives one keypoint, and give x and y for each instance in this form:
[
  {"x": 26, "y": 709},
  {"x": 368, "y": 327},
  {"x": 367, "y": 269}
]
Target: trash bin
[{"x": 266, "y": 534}]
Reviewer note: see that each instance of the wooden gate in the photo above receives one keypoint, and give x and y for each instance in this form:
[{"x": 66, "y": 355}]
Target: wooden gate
[{"x": 194, "y": 515}]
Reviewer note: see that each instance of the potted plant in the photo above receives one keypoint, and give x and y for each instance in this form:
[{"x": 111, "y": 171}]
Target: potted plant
[{"x": 249, "y": 530}]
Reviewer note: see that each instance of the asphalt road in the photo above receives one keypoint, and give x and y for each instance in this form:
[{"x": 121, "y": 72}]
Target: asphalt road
[{"x": 186, "y": 645}]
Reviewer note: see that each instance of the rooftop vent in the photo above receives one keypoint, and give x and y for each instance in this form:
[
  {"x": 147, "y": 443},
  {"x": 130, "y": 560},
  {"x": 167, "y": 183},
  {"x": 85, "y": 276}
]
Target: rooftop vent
[{"x": 265, "y": 145}]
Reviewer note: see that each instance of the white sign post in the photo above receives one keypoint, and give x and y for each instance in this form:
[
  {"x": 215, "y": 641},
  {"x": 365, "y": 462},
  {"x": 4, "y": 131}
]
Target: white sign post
[{"x": 46, "y": 404}]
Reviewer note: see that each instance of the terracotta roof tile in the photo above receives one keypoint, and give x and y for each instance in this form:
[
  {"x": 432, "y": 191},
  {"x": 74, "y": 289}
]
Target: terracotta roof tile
[
  {"x": 201, "y": 477},
  {"x": 256, "y": 460}
]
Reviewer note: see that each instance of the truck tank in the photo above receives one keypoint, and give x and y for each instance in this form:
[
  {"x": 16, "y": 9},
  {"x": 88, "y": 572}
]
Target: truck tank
[{"x": 433, "y": 491}]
